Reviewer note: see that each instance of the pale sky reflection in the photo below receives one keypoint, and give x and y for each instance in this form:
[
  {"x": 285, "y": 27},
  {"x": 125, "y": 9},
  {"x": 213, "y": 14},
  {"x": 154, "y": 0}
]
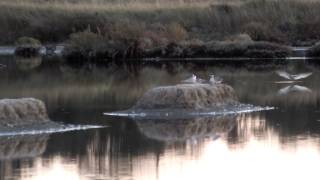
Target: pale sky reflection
[
  {"x": 56, "y": 169},
  {"x": 258, "y": 158}
]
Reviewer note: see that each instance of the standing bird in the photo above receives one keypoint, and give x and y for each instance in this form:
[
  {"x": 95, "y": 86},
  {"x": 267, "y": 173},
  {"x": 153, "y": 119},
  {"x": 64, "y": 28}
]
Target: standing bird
[
  {"x": 215, "y": 79},
  {"x": 293, "y": 77},
  {"x": 192, "y": 79}
]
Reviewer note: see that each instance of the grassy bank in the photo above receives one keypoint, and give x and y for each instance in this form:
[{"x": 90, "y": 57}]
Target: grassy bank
[
  {"x": 291, "y": 22},
  {"x": 92, "y": 46}
]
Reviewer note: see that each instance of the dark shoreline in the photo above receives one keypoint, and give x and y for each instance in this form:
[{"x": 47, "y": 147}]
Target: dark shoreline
[
  {"x": 109, "y": 51},
  {"x": 297, "y": 52}
]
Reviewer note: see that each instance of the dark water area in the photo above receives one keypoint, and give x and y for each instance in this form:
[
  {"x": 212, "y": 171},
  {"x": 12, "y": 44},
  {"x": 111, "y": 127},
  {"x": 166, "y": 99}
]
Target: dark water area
[{"x": 283, "y": 143}]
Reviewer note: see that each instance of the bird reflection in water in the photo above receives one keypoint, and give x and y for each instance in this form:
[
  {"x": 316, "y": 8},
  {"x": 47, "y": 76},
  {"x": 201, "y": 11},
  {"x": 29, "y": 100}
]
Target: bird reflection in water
[{"x": 294, "y": 88}]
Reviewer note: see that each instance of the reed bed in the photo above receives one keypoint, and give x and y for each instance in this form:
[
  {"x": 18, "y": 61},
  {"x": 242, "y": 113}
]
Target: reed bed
[{"x": 291, "y": 22}]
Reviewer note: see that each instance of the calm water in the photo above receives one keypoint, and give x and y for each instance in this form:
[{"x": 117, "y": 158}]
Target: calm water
[{"x": 280, "y": 144}]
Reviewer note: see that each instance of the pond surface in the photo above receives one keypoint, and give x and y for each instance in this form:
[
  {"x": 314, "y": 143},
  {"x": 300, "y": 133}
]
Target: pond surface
[{"x": 283, "y": 143}]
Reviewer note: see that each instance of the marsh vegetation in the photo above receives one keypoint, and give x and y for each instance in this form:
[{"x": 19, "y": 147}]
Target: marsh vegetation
[
  {"x": 155, "y": 23},
  {"x": 106, "y": 28}
]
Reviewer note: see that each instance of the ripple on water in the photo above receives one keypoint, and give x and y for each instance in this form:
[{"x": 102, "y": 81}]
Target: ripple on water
[
  {"x": 174, "y": 113},
  {"x": 46, "y": 129}
]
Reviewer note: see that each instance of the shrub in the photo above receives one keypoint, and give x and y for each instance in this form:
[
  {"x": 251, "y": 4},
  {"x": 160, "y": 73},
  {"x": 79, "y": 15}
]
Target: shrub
[
  {"x": 28, "y": 42},
  {"x": 244, "y": 38},
  {"x": 92, "y": 46},
  {"x": 27, "y": 47},
  {"x": 261, "y": 32},
  {"x": 247, "y": 49},
  {"x": 226, "y": 49},
  {"x": 84, "y": 44},
  {"x": 306, "y": 32},
  {"x": 176, "y": 32},
  {"x": 157, "y": 33},
  {"x": 124, "y": 31},
  {"x": 267, "y": 50},
  {"x": 85, "y": 40}
]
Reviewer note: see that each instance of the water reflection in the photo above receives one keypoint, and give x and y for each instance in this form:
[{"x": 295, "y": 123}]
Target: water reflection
[
  {"x": 282, "y": 143},
  {"x": 22, "y": 146},
  {"x": 107, "y": 87},
  {"x": 25, "y": 64},
  {"x": 172, "y": 130},
  {"x": 294, "y": 88},
  {"x": 251, "y": 147}
]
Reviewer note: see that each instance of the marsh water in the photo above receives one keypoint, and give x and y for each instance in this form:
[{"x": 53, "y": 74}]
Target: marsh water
[{"x": 283, "y": 143}]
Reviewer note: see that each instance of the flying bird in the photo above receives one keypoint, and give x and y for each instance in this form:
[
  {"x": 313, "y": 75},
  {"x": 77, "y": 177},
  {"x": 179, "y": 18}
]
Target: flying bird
[{"x": 294, "y": 77}]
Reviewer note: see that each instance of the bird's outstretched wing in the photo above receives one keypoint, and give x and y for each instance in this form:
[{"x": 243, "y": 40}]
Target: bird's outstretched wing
[
  {"x": 284, "y": 75},
  {"x": 301, "y": 76},
  {"x": 293, "y": 77}
]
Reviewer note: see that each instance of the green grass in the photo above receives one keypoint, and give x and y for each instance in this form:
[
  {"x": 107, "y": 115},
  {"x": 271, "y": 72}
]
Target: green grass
[{"x": 291, "y": 22}]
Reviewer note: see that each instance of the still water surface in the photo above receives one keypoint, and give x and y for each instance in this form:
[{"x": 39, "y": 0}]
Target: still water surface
[{"x": 279, "y": 144}]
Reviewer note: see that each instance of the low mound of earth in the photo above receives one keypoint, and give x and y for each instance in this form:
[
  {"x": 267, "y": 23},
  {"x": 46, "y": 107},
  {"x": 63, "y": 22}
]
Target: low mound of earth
[
  {"x": 22, "y": 112},
  {"x": 29, "y": 116},
  {"x": 187, "y": 100},
  {"x": 173, "y": 130},
  {"x": 187, "y": 96}
]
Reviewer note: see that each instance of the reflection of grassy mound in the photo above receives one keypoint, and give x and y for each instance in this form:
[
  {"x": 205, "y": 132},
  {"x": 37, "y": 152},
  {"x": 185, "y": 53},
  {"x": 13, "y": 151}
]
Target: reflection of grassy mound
[
  {"x": 26, "y": 64},
  {"x": 27, "y": 46},
  {"x": 184, "y": 129},
  {"x": 22, "y": 146}
]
